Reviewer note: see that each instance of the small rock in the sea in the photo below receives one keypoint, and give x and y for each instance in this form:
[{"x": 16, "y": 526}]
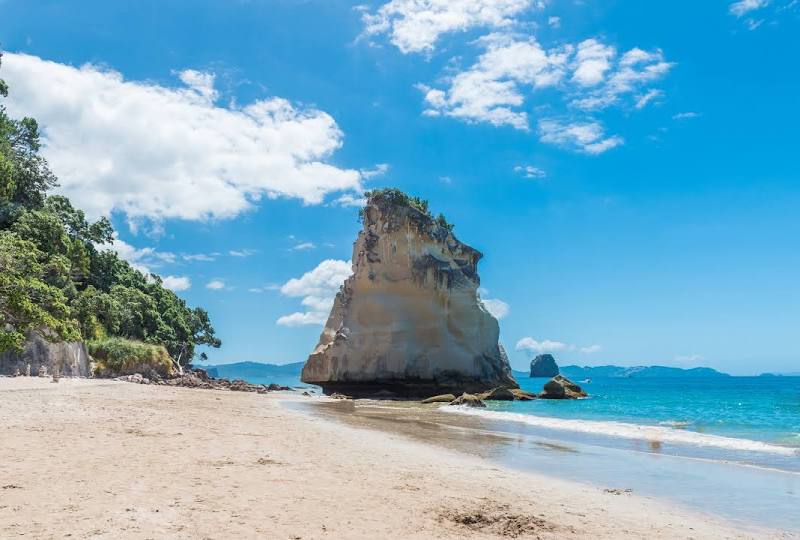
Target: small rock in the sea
[
  {"x": 501, "y": 393},
  {"x": 306, "y": 394},
  {"x": 522, "y": 395},
  {"x": 544, "y": 365},
  {"x": 470, "y": 400},
  {"x": 559, "y": 387},
  {"x": 442, "y": 398}
]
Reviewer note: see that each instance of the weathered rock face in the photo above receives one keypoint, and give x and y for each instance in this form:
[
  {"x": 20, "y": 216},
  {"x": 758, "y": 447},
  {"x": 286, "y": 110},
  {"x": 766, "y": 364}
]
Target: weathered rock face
[
  {"x": 71, "y": 358},
  {"x": 409, "y": 319},
  {"x": 544, "y": 365}
]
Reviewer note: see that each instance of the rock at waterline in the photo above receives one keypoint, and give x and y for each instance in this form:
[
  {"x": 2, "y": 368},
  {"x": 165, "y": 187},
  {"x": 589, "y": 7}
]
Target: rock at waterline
[
  {"x": 409, "y": 319},
  {"x": 442, "y": 398},
  {"x": 559, "y": 387},
  {"x": 469, "y": 400},
  {"x": 499, "y": 394},
  {"x": 544, "y": 365}
]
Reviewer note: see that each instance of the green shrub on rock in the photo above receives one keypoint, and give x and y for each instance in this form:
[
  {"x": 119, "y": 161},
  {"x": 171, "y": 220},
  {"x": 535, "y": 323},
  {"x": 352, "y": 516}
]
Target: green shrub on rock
[{"x": 118, "y": 356}]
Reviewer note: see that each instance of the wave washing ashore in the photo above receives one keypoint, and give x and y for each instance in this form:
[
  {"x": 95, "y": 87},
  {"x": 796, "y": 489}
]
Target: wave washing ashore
[
  {"x": 754, "y": 420},
  {"x": 727, "y": 446}
]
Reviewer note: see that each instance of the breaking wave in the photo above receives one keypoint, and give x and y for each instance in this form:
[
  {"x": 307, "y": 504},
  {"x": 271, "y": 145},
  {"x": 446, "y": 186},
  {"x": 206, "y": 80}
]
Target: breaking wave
[{"x": 647, "y": 433}]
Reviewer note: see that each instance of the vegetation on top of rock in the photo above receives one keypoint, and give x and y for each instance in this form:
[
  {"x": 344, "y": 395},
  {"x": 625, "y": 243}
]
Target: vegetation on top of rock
[
  {"x": 57, "y": 279},
  {"x": 398, "y": 197},
  {"x": 118, "y": 356}
]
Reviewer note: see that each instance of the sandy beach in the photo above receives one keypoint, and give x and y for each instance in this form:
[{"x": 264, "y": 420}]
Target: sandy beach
[{"x": 105, "y": 459}]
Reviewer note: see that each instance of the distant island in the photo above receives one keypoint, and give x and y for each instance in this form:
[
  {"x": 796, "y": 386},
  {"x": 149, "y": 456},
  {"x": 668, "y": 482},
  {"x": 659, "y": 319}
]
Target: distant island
[
  {"x": 254, "y": 370},
  {"x": 587, "y": 372}
]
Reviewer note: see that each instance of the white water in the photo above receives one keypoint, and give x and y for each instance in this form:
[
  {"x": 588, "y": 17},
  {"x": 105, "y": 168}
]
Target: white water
[{"x": 624, "y": 430}]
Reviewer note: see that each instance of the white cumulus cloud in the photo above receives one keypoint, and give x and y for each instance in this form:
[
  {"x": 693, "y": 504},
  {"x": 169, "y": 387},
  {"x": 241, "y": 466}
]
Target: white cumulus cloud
[
  {"x": 215, "y": 285},
  {"x": 157, "y": 152},
  {"x": 317, "y": 288},
  {"x": 588, "y": 137},
  {"x": 538, "y": 347},
  {"x": 416, "y": 25},
  {"x": 590, "y": 76},
  {"x": 492, "y": 90},
  {"x": 176, "y": 283}
]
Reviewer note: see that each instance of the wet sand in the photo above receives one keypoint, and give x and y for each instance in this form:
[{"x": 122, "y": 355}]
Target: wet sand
[
  {"x": 102, "y": 459},
  {"x": 736, "y": 491}
]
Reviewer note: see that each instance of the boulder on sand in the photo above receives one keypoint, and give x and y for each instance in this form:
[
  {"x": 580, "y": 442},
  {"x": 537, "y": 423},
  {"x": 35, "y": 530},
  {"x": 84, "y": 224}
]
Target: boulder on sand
[
  {"x": 441, "y": 398},
  {"x": 470, "y": 400},
  {"x": 559, "y": 387}
]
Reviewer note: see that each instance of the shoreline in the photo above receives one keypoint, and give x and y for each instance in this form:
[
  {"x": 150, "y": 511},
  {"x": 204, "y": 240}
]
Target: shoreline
[
  {"x": 109, "y": 459},
  {"x": 746, "y": 493}
]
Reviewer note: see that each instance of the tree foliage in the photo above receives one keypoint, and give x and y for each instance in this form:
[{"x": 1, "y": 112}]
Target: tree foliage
[{"x": 55, "y": 275}]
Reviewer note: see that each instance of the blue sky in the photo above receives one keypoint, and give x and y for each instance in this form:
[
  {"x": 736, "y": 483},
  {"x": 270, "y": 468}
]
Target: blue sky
[{"x": 629, "y": 169}]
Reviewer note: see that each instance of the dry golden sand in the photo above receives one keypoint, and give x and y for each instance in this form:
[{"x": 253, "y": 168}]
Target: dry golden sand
[{"x": 103, "y": 459}]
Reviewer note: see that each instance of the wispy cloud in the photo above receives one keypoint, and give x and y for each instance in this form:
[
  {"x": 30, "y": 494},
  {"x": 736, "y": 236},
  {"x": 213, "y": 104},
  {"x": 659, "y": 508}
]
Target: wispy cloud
[
  {"x": 685, "y": 115},
  {"x": 203, "y": 257},
  {"x": 587, "y": 137},
  {"x": 743, "y": 7},
  {"x": 378, "y": 170},
  {"x": 304, "y": 246},
  {"x": 242, "y": 253},
  {"x": 215, "y": 285},
  {"x": 529, "y": 171}
]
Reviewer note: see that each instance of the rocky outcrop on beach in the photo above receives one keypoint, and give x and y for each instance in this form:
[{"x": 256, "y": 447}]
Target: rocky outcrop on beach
[
  {"x": 559, "y": 387},
  {"x": 409, "y": 320},
  {"x": 70, "y": 359},
  {"x": 469, "y": 400},
  {"x": 199, "y": 378},
  {"x": 544, "y": 365}
]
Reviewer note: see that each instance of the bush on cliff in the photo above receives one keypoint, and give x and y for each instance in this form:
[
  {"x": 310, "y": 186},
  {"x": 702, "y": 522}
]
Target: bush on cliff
[
  {"x": 118, "y": 356},
  {"x": 397, "y": 197}
]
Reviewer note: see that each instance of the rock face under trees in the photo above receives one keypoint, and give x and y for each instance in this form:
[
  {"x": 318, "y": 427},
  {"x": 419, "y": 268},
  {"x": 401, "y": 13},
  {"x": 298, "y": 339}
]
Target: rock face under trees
[
  {"x": 409, "y": 320},
  {"x": 544, "y": 365},
  {"x": 71, "y": 358}
]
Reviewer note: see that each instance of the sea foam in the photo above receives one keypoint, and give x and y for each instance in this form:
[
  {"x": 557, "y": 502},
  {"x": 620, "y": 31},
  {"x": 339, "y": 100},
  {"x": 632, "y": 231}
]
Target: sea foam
[{"x": 625, "y": 430}]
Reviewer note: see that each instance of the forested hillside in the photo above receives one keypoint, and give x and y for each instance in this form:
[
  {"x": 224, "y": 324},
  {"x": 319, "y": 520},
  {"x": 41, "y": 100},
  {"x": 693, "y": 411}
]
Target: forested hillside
[{"x": 57, "y": 274}]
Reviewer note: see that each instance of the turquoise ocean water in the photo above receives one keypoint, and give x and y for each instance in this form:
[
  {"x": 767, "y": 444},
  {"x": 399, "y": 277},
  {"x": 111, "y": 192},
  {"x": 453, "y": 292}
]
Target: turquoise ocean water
[{"x": 755, "y": 420}]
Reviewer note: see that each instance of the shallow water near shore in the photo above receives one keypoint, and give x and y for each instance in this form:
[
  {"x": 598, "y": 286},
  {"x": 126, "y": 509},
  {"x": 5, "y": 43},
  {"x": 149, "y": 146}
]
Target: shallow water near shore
[{"x": 753, "y": 486}]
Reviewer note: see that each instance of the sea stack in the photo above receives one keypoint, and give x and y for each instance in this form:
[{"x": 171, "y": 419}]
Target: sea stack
[
  {"x": 409, "y": 320},
  {"x": 544, "y": 365}
]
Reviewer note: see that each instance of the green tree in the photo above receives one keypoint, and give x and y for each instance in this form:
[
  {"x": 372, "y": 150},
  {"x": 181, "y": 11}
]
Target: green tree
[{"x": 27, "y": 302}]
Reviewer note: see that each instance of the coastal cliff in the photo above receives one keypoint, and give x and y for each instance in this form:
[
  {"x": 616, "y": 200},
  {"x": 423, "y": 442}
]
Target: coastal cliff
[
  {"x": 70, "y": 358},
  {"x": 408, "y": 322}
]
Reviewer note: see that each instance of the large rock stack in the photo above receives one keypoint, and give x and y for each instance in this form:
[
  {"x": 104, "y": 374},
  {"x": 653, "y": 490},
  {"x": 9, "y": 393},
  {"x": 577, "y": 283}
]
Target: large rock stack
[{"x": 408, "y": 321}]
